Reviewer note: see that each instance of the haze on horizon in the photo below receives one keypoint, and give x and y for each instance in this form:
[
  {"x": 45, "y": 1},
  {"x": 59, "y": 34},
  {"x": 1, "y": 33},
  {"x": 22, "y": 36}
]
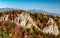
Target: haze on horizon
[{"x": 52, "y": 6}]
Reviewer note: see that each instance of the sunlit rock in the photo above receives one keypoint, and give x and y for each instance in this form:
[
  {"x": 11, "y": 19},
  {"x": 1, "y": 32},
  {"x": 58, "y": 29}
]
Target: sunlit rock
[{"x": 52, "y": 28}]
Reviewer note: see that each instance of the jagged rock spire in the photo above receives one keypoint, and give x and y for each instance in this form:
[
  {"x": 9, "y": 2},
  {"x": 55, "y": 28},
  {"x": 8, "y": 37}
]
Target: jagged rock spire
[{"x": 52, "y": 28}]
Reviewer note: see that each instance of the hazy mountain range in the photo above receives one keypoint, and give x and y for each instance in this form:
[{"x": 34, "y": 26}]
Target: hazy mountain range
[
  {"x": 31, "y": 10},
  {"x": 42, "y": 11}
]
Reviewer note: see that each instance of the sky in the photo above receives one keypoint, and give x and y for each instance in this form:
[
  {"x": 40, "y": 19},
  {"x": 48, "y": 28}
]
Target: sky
[{"x": 52, "y": 6}]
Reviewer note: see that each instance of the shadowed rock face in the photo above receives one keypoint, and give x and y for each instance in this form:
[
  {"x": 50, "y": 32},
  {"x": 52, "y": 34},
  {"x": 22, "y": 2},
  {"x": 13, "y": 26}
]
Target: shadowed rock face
[{"x": 52, "y": 28}]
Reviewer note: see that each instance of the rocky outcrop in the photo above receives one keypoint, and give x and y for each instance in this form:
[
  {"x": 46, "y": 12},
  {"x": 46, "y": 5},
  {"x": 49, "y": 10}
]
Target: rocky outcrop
[
  {"x": 4, "y": 18},
  {"x": 52, "y": 27},
  {"x": 24, "y": 19},
  {"x": 27, "y": 20}
]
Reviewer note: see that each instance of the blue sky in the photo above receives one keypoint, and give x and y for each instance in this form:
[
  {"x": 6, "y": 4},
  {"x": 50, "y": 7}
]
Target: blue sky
[{"x": 52, "y": 6}]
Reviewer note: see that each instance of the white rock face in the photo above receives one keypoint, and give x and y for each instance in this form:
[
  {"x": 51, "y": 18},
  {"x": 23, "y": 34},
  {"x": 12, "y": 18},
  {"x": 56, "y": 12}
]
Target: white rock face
[
  {"x": 4, "y": 18},
  {"x": 52, "y": 28},
  {"x": 24, "y": 19}
]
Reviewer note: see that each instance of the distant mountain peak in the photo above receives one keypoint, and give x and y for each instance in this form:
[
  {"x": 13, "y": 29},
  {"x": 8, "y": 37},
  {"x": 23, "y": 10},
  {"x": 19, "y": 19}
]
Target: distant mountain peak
[
  {"x": 6, "y": 9},
  {"x": 42, "y": 11},
  {"x": 30, "y": 10}
]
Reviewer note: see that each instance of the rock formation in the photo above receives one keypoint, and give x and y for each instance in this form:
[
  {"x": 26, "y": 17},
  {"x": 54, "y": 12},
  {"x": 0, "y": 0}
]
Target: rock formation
[{"x": 52, "y": 27}]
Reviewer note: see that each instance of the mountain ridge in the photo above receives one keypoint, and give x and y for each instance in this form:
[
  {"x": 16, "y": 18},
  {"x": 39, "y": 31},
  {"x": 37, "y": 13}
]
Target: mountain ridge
[
  {"x": 30, "y": 10},
  {"x": 36, "y": 22},
  {"x": 42, "y": 11}
]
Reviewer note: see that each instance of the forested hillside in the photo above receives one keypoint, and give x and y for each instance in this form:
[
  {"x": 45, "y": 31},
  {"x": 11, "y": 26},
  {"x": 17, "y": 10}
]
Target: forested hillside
[{"x": 23, "y": 24}]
